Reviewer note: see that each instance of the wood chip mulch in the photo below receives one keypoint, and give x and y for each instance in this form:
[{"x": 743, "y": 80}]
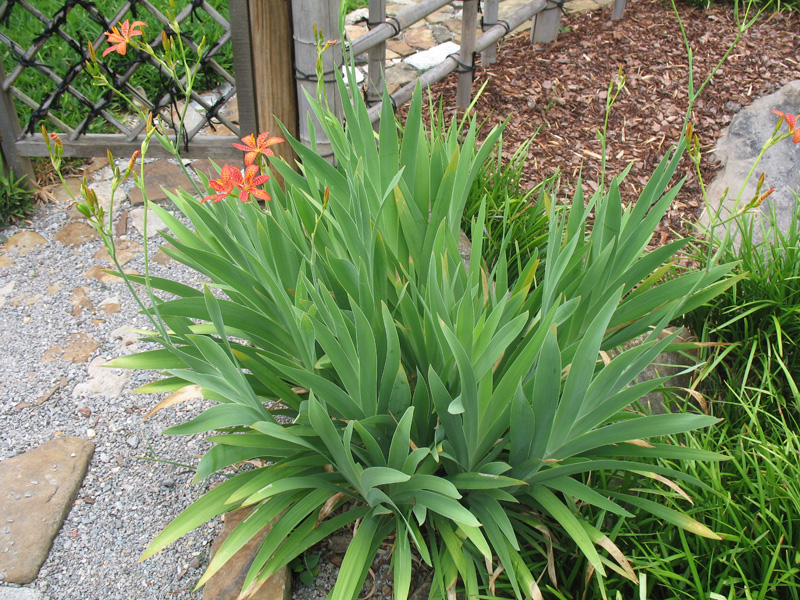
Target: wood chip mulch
[{"x": 560, "y": 91}]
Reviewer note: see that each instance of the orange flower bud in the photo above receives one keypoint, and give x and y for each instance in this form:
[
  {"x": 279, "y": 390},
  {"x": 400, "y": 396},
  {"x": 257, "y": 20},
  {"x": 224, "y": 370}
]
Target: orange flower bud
[
  {"x": 132, "y": 161},
  {"x": 761, "y": 198}
]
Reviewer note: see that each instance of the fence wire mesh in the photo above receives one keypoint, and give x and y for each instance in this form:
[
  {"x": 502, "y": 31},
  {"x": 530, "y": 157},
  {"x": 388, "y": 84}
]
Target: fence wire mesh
[{"x": 45, "y": 48}]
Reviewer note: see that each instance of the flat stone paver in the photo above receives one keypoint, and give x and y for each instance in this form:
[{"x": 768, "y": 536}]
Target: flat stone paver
[
  {"x": 226, "y": 584},
  {"x": 161, "y": 173},
  {"x": 38, "y": 491},
  {"x": 9, "y": 593}
]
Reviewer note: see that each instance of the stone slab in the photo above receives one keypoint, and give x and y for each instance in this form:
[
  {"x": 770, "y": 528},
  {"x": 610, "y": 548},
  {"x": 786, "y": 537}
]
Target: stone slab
[
  {"x": 427, "y": 59},
  {"x": 226, "y": 584},
  {"x": 161, "y": 173},
  {"x": 24, "y": 242},
  {"x": 66, "y": 193},
  {"x": 76, "y": 233},
  {"x": 738, "y": 148},
  {"x": 38, "y": 491},
  {"x": 154, "y": 222},
  {"x": 21, "y": 593}
]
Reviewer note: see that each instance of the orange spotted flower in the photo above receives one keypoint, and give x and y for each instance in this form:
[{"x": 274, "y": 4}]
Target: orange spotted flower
[
  {"x": 255, "y": 147},
  {"x": 120, "y": 37},
  {"x": 792, "y": 123},
  {"x": 250, "y": 184},
  {"x": 230, "y": 178}
]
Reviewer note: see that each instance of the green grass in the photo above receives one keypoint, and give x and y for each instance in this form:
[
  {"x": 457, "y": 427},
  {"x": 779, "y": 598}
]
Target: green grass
[
  {"x": 23, "y": 28},
  {"x": 16, "y": 199},
  {"x": 758, "y": 319},
  {"x": 351, "y": 5},
  {"x": 754, "y": 503},
  {"x": 516, "y": 220}
]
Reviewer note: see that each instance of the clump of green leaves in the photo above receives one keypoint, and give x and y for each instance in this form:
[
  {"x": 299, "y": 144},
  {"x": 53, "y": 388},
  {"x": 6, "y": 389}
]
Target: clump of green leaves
[
  {"x": 16, "y": 197},
  {"x": 447, "y": 406},
  {"x": 516, "y": 220},
  {"x": 306, "y": 567}
]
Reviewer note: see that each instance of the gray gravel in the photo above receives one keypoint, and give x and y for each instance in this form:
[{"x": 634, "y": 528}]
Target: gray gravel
[{"x": 125, "y": 500}]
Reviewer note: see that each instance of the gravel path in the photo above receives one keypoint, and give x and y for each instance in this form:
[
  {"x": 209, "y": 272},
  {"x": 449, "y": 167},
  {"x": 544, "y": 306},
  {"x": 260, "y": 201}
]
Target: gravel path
[{"x": 58, "y": 326}]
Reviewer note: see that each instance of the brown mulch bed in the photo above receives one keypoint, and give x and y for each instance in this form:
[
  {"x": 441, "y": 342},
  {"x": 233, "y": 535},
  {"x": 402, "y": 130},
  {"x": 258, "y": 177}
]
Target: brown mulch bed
[{"x": 560, "y": 90}]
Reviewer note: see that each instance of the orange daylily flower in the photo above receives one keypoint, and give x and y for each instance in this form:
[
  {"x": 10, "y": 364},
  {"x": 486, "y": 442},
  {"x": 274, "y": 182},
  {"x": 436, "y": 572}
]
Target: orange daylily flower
[
  {"x": 230, "y": 178},
  {"x": 791, "y": 122},
  {"x": 253, "y": 147},
  {"x": 250, "y": 184},
  {"x": 120, "y": 37}
]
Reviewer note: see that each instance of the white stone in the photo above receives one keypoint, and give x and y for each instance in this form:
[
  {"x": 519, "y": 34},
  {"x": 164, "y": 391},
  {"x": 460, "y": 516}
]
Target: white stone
[
  {"x": 21, "y": 593},
  {"x": 358, "y": 15},
  {"x": 427, "y": 59},
  {"x": 103, "y": 191},
  {"x": 738, "y": 148},
  {"x": 126, "y": 334},
  {"x": 154, "y": 222},
  {"x": 358, "y": 73},
  {"x": 102, "y": 381}
]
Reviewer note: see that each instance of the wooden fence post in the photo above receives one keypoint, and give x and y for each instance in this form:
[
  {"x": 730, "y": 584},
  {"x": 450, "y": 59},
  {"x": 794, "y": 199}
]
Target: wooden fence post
[
  {"x": 377, "y": 54},
  {"x": 490, "y": 12},
  {"x": 9, "y": 132},
  {"x": 324, "y": 14},
  {"x": 619, "y": 10},
  {"x": 264, "y": 76},
  {"x": 545, "y": 25},
  {"x": 469, "y": 25}
]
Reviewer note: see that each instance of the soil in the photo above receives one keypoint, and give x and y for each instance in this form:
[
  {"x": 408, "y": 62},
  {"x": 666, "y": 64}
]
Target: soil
[{"x": 557, "y": 93}]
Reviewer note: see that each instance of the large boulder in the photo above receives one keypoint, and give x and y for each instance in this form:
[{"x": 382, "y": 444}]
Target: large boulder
[{"x": 738, "y": 149}]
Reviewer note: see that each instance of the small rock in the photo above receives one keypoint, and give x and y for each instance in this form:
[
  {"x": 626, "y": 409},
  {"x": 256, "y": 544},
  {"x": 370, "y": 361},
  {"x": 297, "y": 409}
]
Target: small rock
[
  {"x": 168, "y": 482},
  {"x": 161, "y": 173},
  {"x": 126, "y": 334},
  {"x": 357, "y": 16},
  {"x": 100, "y": 274},
  {"x": 399, "y": 47},
  {"x": 420, "y": 38},
  {"x": 36, "y": 520},
  {"x": 80, "y": 300},
  {"x": 733, "y": 106},
  {"x": 85, "y": 411},
  {"x": 76, "y": 233},
  {"x": 338, "y": 544},
  {"x": 80, "y": 347},
  {"x": 102, "y": 381},
  {"x": 90, "y": 433},
  {"x": 21, "y": 593},
  {"x": 133, "y": 441},
  {"x": 123, "y": 249},
  {"x": 161, "y": 258},
  {"x": 24, "y": 242},
  {"x": 110, "y": 305},
  {"x": 423, "y": 61},
  {"x": 154, "y": 222},
  {"x": 353, "y": 32}
]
